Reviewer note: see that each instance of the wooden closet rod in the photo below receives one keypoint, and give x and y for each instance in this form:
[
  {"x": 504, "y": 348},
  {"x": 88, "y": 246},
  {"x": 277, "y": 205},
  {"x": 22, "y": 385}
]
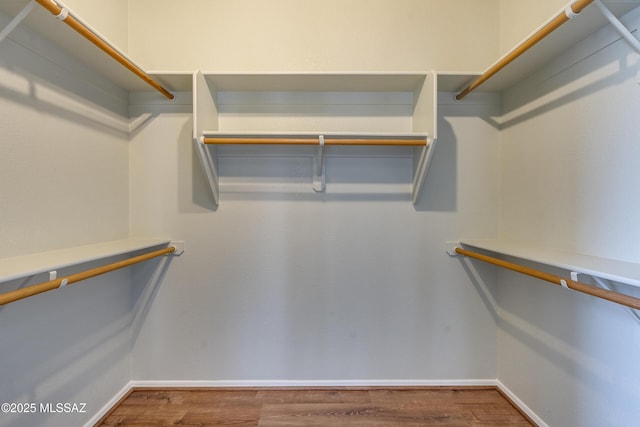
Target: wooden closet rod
[
  {"x": 595, "y": 291},
  {"x": 576, "y": 7},
  {"x": 315, "y": 141},
  {"x": 71, "y": 21},
  {"x": 22, "y": 293}
]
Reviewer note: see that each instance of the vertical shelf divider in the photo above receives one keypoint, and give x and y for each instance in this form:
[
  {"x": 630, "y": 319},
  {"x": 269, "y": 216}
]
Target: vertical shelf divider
[
  {"x": 424, "y": 120},
  {"x": 205, "y": 116}
]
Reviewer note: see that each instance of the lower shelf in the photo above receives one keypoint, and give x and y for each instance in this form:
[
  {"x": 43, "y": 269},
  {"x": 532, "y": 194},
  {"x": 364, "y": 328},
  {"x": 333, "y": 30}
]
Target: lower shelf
[
  {"x": 605, "y": 268},
  {"x": 28, "y": 265}
]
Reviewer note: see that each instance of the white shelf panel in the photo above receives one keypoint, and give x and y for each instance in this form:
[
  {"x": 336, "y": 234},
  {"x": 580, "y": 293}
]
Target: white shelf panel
[
  {"x": 27, "y": 265},
  {"x": 618, "y": 271},
  {"x": 319, "y": 82},
  {"x": 587, "y": 22},
  {"x": 52, "y": 31}
]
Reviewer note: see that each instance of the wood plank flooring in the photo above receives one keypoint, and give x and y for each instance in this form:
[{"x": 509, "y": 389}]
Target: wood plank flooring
[{"x": 371, "y": 407}]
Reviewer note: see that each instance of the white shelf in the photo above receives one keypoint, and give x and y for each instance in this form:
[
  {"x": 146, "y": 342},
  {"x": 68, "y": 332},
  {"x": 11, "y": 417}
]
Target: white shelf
[
  {"x": 27, "y": 265},
  {"x": 316, "y": 82},
  {"x": 587, "y": 22},
  {"x": 605, "y": 268},
  {"x": 52, "y": 31},
  {"x": 369, "y": 105}
]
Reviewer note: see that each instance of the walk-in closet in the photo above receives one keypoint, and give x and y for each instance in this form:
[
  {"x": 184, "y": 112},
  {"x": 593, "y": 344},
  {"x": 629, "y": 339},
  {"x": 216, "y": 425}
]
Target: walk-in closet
[{"x": 350, "y": 199}]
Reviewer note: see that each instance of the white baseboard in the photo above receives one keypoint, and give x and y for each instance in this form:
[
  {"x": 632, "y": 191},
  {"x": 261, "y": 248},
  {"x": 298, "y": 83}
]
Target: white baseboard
[
  {"x": 110, "y": 404},
  {"x": 521, "y": 405},
  {"x": 315, "y": 383}
]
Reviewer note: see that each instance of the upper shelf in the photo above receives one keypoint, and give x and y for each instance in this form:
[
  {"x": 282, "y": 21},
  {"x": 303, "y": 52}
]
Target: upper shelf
[
  {"x": 43, "y": 23},
  {"x": 316, "y": 82},
  {"x": 588, "y": 21},
  {"x": 395, "y": 109},
  {"x": 605, "y": 268}
]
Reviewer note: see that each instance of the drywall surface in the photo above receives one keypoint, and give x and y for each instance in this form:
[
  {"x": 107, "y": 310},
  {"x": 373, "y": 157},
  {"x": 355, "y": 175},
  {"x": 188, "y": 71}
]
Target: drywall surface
[
  {"x": 64, "y": 182},
  {"x": 64, "y": 152},
  {"x": 334, "y": 35},
  {"x": 109, "y": 18},
  {"x": 569, "y": 181},
  {"x": 519, "y": 18},
  {"x": 281, "y": 283}
]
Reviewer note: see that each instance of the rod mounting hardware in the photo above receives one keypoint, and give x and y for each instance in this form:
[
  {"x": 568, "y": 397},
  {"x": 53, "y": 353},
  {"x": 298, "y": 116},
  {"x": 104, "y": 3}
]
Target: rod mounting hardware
[
  {"x": 178, "y": 245},
  {"x": 318, "y": 167},
  {"x": 450, "y": 248},
  {"x": 64, "y": 14},
  {"x": 570, "y": 12}
]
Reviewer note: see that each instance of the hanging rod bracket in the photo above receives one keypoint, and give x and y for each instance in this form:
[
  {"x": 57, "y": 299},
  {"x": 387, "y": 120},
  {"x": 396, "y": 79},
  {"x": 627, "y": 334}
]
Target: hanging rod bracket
[
  {"x": 318, "y": 167},
  {"x": 179, "y": 247},
  {"x": 421, "y": 167},
  {"x": 568, "y": 11},
  {"x": 450, "y": 248},
  {"x": 64, "y": 14},
  {"x": 208, "y": 162}
]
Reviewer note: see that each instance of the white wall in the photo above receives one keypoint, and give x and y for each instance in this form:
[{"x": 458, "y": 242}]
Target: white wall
[
  {"x": 301, "y": 286},
  {"x": 64, "y": 181},
  {"x": 294, "y": 285},
  {"x": 109, "y": 18},
  {"x": 309, "y": 35},
  {"x": 519, "y": 18},
  {"x": 569, "y": 181},
  {"x": 278, "y": 286}
]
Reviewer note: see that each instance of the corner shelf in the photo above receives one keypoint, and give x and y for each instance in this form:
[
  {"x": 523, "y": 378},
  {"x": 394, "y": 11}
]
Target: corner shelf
[
  {"x": 50, "y": 30},
  {"x": 28, "y": 265},
  {"x": 605, "y": 268},
  {"x": 310, "y": 105},
  {"x": 587, "y": 22}
]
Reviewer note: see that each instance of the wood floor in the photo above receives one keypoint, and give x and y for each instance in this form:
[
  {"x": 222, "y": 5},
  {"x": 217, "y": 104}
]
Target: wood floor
[{"x": 434, "y": 406}]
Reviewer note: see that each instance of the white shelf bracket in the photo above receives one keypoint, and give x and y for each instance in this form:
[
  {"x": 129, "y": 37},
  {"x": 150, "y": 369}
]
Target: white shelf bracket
[
  {"x": 17, "y": 20},
  {"x": 208, "y": 162},
  {"x": 450, "y": 248},
  {"x": 420, "y": 172},
  {"x": 318, "y": 167},
  {"x": 178, "y": 245},
  {"x": 619, "y": 26}
]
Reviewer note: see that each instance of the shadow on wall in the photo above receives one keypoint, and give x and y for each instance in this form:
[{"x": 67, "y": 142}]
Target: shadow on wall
[
  {"x": 36, "y": 82},
  {"x": 549, "y": 89},
  {"x": 576, "y": 353},
  {"x": 72, "y": 345}
]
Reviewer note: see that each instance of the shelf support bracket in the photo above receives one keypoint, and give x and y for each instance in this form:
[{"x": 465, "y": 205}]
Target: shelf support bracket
[
  {"x": 318, "y": 167},
  {"x": 208, "y": 162},
  {"x": 421, "y": 168},
  {"x": 619, "y": 26},
  {"x": 17, "y": 20}
]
